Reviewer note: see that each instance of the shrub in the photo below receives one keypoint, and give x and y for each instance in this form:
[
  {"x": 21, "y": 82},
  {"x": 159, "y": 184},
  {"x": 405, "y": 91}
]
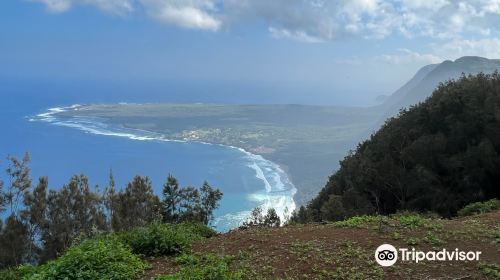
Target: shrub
[
  {"x": 492, "y": 270},
  {"x": 410, "y": 220},
  {"x": 104, "y": 258},
  {"x": 357, "y": 221},
  {"x": 413, "y": 241},
  {"x": 480, "y": 207},
  {"x": 257, "y": 219},
  {"x": 204, "y": 267},
  {"x": 16, "y": 273},
  {"x": 159, "y": 239}
]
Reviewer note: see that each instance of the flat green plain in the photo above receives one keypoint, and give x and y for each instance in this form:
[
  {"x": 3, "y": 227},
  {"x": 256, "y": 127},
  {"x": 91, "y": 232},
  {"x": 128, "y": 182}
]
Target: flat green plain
[{"x": 307, "y": 141}]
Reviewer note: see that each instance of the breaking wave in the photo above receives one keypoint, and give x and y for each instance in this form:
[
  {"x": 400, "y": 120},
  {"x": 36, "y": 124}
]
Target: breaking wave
[{"x": 277, "y": 191}]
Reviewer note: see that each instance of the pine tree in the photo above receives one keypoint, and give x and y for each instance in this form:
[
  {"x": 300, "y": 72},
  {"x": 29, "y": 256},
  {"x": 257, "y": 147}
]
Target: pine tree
[{"x": 171, "y": 199}]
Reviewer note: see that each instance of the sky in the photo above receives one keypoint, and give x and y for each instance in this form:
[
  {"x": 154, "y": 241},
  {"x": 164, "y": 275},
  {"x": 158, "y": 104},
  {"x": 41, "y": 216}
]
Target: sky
[{"x": 356, "y": 48}]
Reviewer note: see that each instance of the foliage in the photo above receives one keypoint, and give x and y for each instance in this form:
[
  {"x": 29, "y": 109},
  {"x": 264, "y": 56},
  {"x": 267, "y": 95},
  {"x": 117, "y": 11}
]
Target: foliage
[
  {"x": 188, "y": 203},
  {"x": 159, "y": 239},
  {"x": 409, "y": 220},
  {"x": 357, "y": 221},
  {"x": 75, "y": 211},
  {"x": 14, "y": 242},
  {"x": 491, "y": 270},
  {"x": 204, "y": 267},
  {"x": 480, "y": 207},
  {"x": 436, "y": 156},
  {"x": 136, "y": 205},
  {"x": 256, "y": 219},
  {"x": 93, "y": 259},
  {"x": 43, "y": 223},
  {"x": 17, "y": 273}
]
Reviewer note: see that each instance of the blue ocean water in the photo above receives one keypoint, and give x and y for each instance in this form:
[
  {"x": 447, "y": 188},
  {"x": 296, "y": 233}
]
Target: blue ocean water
[{"x": 61, "y": 148}]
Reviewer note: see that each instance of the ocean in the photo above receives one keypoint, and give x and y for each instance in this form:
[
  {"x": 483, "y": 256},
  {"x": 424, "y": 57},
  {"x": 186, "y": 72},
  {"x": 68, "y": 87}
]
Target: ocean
[{"x": 60, "y": 148}]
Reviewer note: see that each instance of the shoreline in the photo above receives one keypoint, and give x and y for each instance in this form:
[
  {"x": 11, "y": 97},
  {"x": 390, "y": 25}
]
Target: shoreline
[{"x": 278, "y": 185}]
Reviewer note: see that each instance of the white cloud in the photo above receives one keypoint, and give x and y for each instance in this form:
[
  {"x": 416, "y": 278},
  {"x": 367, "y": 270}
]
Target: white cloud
[
  {"x": 406, "y": 56},
  {"x": 117, "y": 7},
  {"x": 317, "y": 20},
  {"x": 294, "y": 34},
  {"x": 489, "y": 48},
  {"x": 189, "y": 14},
  {"x": 56, "y": 6}
]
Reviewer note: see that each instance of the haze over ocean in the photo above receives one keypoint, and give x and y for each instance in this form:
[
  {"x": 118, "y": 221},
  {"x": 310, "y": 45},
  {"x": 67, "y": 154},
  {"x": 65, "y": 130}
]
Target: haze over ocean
[{"x": 59, "y": 151}]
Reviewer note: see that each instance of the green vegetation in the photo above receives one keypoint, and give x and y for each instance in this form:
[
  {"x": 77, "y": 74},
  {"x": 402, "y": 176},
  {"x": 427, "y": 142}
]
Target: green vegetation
[
  {"x": 480, "y": 207},
  {"x": 159, "y": 239},
  {"x": 357, "y": 221},
  {"x": 437, "y": 156},
  {"x": 308, "y": 140},
  {"x": 93, "y": 259},
  {"x": 42, "y": 224},
  {"x": 257, "y": 219},
  {"x": 17, "y": 273},
  {"x": 490, "y": 270},
  {"x": 204, "y": 267}
]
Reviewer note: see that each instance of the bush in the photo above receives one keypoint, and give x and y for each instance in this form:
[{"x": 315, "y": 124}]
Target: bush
[
  {"x": 159, "y": 239},
  {"x": 16, "y": 273},
  {"x": 104, "y": 258},
  {"x": 492, "y": 270},
  {"x": 205, "y": 267},
  {"x": 480, "y": 207},
  {"x": 409, "y": 220},
  {"x": 357, "y": 221},
  {"x": 257, "y": 219}
]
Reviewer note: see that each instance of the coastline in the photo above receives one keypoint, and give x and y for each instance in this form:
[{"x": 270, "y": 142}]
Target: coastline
[{"x": 279, "y": 190}]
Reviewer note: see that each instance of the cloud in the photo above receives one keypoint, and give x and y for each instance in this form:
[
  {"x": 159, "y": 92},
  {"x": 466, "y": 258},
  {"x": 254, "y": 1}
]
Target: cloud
[
  {"x": 405, "y": 56},
  {"x": 117, "y": 7},
  {"x": 450, "y": 50},
  {"x": 184, "y": 13},
  {"x": 461, "y": 47},
  {"x": 316, "y": 20}
]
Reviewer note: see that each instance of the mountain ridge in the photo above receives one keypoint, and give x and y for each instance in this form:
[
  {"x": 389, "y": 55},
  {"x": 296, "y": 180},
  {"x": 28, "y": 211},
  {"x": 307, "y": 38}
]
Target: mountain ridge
[{"x": 427, "y": 78}]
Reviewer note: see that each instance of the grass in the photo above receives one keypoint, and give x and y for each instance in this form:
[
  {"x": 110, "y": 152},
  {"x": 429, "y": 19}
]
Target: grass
[
  {"x": 490, "y": 270},
  {"x": 103, "y": 258},
  {"x": 204, "y": 267},
  {"x": 480, "y": 207},
  {"x": 160, "y": 239},
  {"x": 357, "y": 222}
]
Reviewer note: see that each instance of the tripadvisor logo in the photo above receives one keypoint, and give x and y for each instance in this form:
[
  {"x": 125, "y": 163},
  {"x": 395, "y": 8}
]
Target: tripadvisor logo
[{"x": 387, "y": 255}]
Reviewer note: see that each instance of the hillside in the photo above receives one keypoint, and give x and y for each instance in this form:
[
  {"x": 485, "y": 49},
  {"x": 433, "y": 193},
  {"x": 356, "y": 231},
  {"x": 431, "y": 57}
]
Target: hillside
[
  {"x": 345, "y": 250},
  {"x": 428, "y": 78},
  {"x": 437, "y": 156}
]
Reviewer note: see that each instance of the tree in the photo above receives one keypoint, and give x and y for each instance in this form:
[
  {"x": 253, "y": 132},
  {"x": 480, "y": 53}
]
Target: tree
[
  {"x": 436, "y": 156},
  {"x": 14, "y": 243},
  {"x": 33, "y": 216},
  {"x": 71, "y": 213},
  {"x": 20, "y": 181},
  {"x": 2, "y": 197},
  {"x": 210, "y": 198},
  {"x": 171, "y": 199},
  {"x": 111, "y": 202},
  {"x": 333, "y": 209},
  {"x": 190, "y": 205},
  {"x": 257, "y": 219},
  {"x": 271, "y": 219},
  {"x": 136, "y": 206},
  {"x": 300, "y": 216}
]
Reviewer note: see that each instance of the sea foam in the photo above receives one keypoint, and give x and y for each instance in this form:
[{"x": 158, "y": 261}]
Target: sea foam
[{"x": 277, "y": 192}]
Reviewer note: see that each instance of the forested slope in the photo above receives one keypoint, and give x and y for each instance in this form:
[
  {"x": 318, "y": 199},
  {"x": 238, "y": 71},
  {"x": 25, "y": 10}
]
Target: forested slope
[{"x": 436, "y": 156}]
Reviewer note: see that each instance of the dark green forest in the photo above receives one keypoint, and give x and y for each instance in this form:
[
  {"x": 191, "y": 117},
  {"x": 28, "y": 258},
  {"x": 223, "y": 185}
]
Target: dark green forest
[
  {"x": 436, "y": 156},
  {"x": 41, "y": 223}
]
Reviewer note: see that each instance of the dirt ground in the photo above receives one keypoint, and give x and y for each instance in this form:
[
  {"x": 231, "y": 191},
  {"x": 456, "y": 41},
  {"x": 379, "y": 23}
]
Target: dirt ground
[{"x": 331, "y": 251}]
